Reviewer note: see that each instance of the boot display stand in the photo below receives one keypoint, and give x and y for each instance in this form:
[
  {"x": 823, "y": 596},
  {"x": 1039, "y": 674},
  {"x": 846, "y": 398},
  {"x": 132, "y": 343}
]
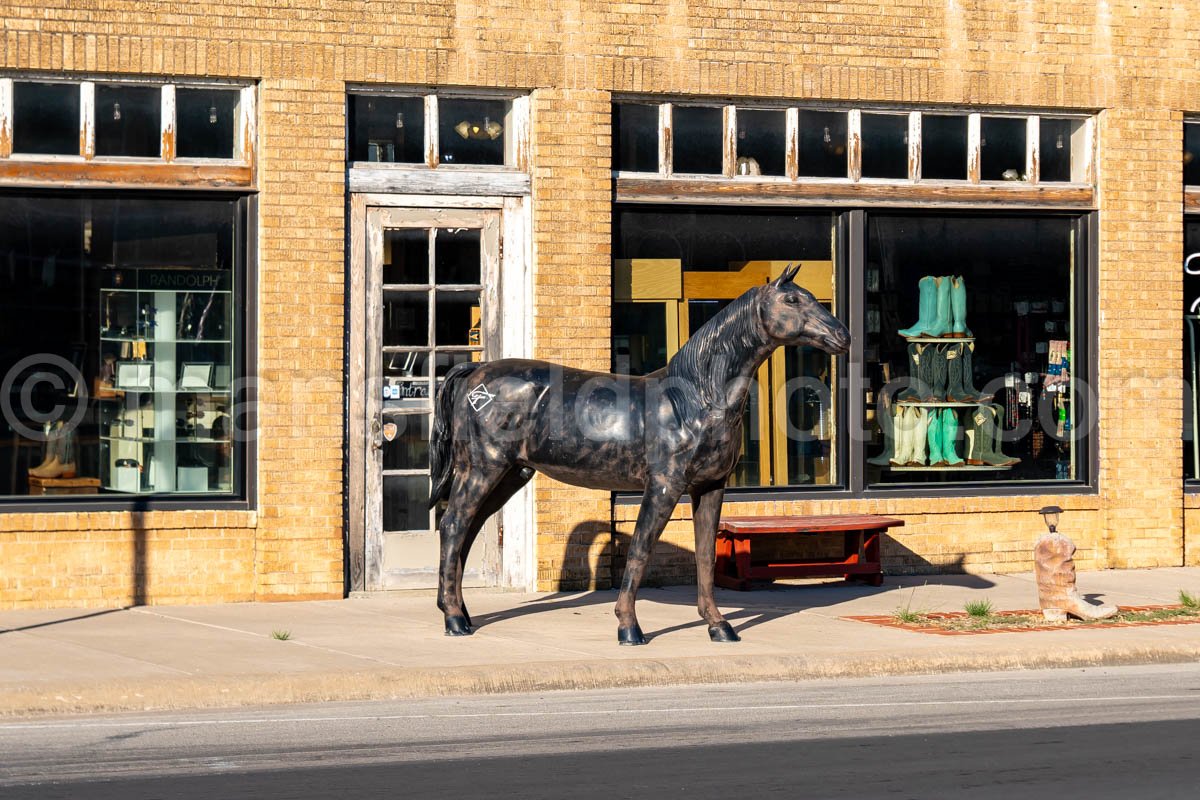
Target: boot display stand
[{"x": 927, "y": 417}]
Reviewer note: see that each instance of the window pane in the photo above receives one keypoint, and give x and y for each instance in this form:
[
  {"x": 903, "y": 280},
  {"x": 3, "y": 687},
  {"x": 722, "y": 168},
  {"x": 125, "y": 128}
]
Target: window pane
[
  {"x": 405, "y": 319},
  {"x": 1002, "y": 149},
  {"x": 472, "y": 131},
  {"x": 788, "y": 431},
  {"x": 390, "y": 129},
  {"x": 1191, "y": 344},
  {"x": 823, "y": 144},
  {"x": 697, "y": 140},
  {"x": 132, "y": 372},
  {"x": 943, "y": 147},
  {"x": 46, "y": 118},
  {"x": 1191, "y": 154},
  {"x": 204, "y": 122},
  {"x": 884, "y": 146},
  {"x": 458, "y": 319},
  {"x": 635, "y": 143},
  {"x": 406, "y": 502},
  {"x": 128, "y": 121},
  {"x": 761, "y": 142},
  {"x": 457, "y": 255},
  {"x": 970, "y": 376},
  {"x": 406, "y": 256},
  {"x": 410, "y": 447}
]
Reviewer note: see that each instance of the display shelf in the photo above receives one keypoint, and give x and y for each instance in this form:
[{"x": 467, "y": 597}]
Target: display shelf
[
  {"x": 960, "y": 468},
  {"x": 127, "y": 390},
  {"x": 938, "y": 339},
  {"x": 152, "y": 440},
  {"x": 153, "y": 341},
  {"x": 936, "y": 404}
]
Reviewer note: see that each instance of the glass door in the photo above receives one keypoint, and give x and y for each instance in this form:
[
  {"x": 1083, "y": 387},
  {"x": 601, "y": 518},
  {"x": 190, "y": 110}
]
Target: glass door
[{"x": 432, "y": 294}]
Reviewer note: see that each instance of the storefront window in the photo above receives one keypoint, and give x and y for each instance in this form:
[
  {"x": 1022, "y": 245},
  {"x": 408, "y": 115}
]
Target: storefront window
[
  {"x": 1191, "y": 345},
  {"x": 121, "y": 345},
  {"x": 676, "y": 268},
  {"x": 971, "y": 354}
]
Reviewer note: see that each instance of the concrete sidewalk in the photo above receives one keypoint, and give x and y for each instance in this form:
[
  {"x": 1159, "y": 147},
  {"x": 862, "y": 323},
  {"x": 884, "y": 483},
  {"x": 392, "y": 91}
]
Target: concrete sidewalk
[{"x": 393, "y": 646}]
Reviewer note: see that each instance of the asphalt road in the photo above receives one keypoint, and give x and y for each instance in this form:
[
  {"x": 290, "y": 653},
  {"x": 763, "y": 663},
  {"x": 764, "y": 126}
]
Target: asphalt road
[{"x": 1121, "y": 732}]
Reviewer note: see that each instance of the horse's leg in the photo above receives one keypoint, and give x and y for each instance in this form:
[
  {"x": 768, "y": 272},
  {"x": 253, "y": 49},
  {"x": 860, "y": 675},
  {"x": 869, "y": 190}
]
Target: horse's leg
[
  {"x": 706, "y": 513},
  {"x": 657, "y": 503},
  {"x": 468, "y": 493},
  {"x": 510, "y": 484}
]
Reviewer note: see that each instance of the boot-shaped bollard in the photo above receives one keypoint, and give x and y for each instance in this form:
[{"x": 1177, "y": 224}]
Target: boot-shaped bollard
[
  {"x": 926, "y": 305},
  {"x": 933, "y": 374},
  {"x": 902, "y": 425},
  {"x": 958, "y": 308},
  {"x": 913, "y": 391},
  {"x": 949, "y": 423},
  {"x": 1054, "y": 566}
]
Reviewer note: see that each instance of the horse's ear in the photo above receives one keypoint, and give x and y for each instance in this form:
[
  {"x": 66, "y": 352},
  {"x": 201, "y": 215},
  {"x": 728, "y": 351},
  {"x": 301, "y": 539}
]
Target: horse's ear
[{"x": 788, "y": 274}]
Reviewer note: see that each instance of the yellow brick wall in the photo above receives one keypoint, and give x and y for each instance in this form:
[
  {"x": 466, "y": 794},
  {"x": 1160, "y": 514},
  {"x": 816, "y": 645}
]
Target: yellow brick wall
[{"x": 1132, "y": 61}]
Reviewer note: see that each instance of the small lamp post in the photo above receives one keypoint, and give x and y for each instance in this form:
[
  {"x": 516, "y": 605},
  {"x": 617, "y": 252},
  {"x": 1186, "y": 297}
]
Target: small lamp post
[{"x": 1050, "y": 516}]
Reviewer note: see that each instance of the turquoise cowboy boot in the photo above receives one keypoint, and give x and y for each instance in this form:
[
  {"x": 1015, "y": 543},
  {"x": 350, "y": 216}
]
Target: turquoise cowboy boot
[
  {"x": 940, "y": 324},
  {"x": 927, "y": 306},
  {"x": 958, "y": 308},
  {"x": 933, "y": 436},
  {"x": 949, "y": 425}
]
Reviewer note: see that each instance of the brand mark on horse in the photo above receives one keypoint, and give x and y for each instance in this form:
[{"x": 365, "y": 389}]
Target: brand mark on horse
[{"x": 480, "y": 397}]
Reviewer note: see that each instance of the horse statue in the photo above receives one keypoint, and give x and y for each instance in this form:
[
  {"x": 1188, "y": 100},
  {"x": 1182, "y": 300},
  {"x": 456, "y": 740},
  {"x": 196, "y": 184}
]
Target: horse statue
[{"x": 673, "y": 431}]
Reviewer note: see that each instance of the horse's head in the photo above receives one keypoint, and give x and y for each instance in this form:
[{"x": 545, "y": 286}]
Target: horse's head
[{"x": 791, "y": 315}]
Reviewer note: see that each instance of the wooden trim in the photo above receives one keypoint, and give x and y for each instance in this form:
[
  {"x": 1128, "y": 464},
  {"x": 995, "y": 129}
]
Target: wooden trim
[
  {"x": 1033, "y": 148},
  {"x": 520, "y": 133},
  {"x": 792, "y": 132},
  {"x": 156, "y": 173},
  {"x": 914, "y": 145},
  {"x": 854, "y": 145},
  {"x": 432, "y": 155},
  {"x": 6, "y": 117},
  {"x": 1088, "y": 167},
  {"x": 1191, "y": 200},
  {"x": 442, "y": 181},
  {"x": 356, "y": 421},
  {"x": 391, "y": 200},
  {"x": 247, "y": 130},
  {"x": 666, "y": 142},
  {"x": 729, "y": 141},
  {"x": 87, "y": 120},
  {"x": 167, "y": 114},
  {"x": 782, "y": 192},
  {"x": 974, "y": 147},
  {"x": 372, "y": 381}
]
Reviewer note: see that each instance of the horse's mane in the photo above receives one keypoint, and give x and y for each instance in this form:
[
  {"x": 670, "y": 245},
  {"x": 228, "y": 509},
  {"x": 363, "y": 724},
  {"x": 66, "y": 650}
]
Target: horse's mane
[{"x": 697, "y": 373}]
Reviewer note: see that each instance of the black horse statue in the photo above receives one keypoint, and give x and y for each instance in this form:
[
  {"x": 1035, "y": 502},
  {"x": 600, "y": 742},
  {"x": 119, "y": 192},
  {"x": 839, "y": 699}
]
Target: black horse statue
[{"x": 676, "y": 430}]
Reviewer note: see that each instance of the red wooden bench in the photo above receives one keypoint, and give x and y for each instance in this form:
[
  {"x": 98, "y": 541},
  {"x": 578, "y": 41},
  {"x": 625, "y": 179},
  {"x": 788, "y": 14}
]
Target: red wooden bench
[{"x": 860, "y": 553}]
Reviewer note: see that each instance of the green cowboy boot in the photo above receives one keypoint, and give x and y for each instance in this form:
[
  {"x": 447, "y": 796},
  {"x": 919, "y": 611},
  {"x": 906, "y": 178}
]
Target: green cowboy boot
[
  {"x": 927, "y": 306},
  {"x": 978, "y": 437},
  {"x": 994, "y": 456},
  {"x": 940, "y": 324},
  {"x": 958, "y": 308},
  {"x": 949, "y": 425},
  {"x": 934, "y": 438}
]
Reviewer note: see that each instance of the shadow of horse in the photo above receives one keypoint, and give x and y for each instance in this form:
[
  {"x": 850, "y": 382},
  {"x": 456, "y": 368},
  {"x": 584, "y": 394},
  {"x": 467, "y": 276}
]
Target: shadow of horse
[{"x": 594, "y": 560}]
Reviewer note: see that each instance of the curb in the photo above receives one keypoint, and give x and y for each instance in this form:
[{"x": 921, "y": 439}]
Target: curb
[{"x": 274, "y": 688}]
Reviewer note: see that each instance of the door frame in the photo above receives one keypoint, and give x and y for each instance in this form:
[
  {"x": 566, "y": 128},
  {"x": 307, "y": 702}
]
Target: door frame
[{"x": 517, "y": 566}]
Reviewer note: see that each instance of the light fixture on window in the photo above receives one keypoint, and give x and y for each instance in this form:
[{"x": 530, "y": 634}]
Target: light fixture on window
[
  {"x": 1058, "y": 143},
  {"x": 479, "y": 130},
  {"x": 399, "y": 119},
  {"x": 212, "y": 115},
  {"x": 116, "y": 112}
]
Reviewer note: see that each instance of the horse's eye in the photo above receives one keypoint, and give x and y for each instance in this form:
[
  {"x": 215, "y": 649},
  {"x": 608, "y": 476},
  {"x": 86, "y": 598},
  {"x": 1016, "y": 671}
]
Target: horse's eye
[{"x": 792, "y": 299}]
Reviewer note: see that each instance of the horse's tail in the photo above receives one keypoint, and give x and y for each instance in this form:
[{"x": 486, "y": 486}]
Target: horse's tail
[{"x": 440, "y": 462}]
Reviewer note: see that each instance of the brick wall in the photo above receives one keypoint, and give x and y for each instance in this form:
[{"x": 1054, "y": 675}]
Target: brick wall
[{"x": 1133, "y": 61}]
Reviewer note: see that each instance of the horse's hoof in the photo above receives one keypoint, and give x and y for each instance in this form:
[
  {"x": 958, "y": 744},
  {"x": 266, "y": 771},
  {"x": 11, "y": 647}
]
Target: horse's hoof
[
  {"x": 631, "y": 636},
  {"x": 723, "y": 632},
  {"x": 458, "y": 626}
]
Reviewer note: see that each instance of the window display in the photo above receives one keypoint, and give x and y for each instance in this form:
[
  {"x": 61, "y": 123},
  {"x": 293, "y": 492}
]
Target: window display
[
  {"x": 980, "y": 387},
  {"x": 121, "y": 332},
  {"x": 1191, "y": 345}
]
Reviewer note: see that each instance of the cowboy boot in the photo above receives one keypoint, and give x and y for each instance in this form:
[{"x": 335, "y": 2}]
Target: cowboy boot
[
  {"x": 933, "y": 437},
  {"x": 927, "y": 306},
  {"x": 940, "y": 324},
  {"x": 958, "y": 308},
  {"x": 977, "y": 437},
  {"x": 902, "y": 425},
  {"x": 968, "y": 376},
  {"x": 949, "y": 426},
  {"x": 912, "y": 393},
  {"x": 1054, "y": 566},
  {"x": 954, "y": 374},
  {"x": 992, "y": 456},
  {"x": 916, "y": 454},
  {"x": 887, "y": 426},
  {"x": 933, "y": 374}
]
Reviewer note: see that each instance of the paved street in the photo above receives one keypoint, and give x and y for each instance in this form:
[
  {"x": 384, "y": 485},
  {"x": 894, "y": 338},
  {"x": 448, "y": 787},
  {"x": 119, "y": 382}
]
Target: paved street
[{"x": 1105, "y": 732}]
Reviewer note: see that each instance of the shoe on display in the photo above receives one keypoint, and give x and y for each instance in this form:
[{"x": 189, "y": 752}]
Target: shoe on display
[
  {"x": 934, "y": 438},
  {"x": 968, "y": 376},
  {"x": 992, "y": 455},
  {"x": 958, "y": 308},
  {"x": 927, "y": 307},
  {"x": 912, "y": 392},
  {"x": 933, "y": 374},
  {"x": 920, "y": 432},
  {"x": 887, "y": 426},
  {"x": 940, "y": 325},
  {"x": 949, "y": 426},
  {"x": 902, "y": 426}
]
